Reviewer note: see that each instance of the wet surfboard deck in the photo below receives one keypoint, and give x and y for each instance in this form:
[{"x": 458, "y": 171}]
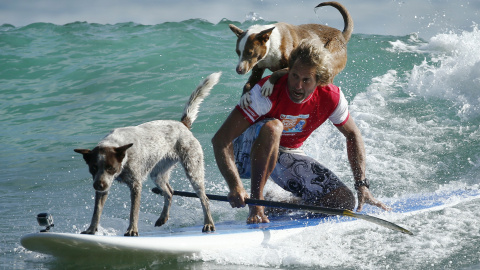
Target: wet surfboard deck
[{"x": 190, "y": 240}]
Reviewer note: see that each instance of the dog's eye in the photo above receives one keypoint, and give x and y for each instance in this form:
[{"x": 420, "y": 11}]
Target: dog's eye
[
  {"x": 93, "y": 169},
  {"x": 110, "y": 169}
]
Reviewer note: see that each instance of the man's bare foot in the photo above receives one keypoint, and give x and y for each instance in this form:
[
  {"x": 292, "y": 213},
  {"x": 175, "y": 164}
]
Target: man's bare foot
[{"x": 257, "y": 215}]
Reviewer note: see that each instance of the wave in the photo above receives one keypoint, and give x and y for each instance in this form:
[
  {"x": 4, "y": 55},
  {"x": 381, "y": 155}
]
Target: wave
[{"x": 451, "y": 71}]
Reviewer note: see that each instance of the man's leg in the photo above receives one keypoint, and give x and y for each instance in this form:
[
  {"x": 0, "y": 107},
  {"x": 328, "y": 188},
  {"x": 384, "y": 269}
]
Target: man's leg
[
  {"x": 314, "y": 183},
  {"x": 264, "y": 154},
  {"x": 341, "y": 197}
]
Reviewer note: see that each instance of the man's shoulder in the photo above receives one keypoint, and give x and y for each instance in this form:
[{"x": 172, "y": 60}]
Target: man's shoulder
[
  {"x": 282, "y": 80},
  {"x": 280, "y": 85},
  {"x": 276, "y": 92},
  {"x": 330, "y": 91},
  {"x": 263, "y": 80},
  {"x": 330, "y": 88}
]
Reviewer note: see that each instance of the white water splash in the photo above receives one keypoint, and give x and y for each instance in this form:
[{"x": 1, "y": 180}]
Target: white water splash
[{"x": 453, "y": 75}]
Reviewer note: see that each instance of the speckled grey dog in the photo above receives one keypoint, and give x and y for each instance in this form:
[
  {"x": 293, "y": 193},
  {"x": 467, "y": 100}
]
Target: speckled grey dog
[{"x": 130, "y": 154}]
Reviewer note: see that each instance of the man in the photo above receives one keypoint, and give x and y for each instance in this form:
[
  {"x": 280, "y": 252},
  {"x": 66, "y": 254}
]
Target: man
[{"x": 263, "y": 139}]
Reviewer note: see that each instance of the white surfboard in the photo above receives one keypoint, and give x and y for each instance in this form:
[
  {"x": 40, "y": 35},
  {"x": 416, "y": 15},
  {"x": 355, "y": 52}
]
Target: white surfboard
[
  {"x": 180, "y": 241},
  {"x": 191, "y": 240}
]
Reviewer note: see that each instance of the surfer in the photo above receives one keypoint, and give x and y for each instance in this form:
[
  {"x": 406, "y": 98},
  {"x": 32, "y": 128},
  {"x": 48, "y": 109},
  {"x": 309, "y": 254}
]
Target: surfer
[{"x": 264, "y": 139}]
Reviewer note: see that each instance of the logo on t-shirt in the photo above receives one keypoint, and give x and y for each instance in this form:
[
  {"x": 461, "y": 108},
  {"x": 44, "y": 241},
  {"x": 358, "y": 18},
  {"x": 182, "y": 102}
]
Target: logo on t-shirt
[{"x": 293, "y": 123}]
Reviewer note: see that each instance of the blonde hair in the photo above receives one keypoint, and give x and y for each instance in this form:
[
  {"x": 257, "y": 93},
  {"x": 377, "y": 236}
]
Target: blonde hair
[{"x": 312, "y": 53}]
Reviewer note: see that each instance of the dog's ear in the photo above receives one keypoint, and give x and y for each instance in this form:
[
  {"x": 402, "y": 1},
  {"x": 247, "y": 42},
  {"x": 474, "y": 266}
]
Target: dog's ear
[
  {"x": 87, "y": 153},
  {"x": 265, "y": 35},
  {"x": 237, "y": 31},
  {"x": 120, "y": 151}
]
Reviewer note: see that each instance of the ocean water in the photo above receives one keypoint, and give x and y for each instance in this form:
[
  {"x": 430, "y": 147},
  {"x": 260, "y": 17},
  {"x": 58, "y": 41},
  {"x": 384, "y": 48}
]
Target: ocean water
[{"x": 416, "y": 101}]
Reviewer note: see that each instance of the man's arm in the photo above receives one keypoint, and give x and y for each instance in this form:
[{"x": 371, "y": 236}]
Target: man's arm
[
  {"x": 222, "y": 142},
  {"x": 356, "y": 157},
  {"x": 355, "y": 148}
]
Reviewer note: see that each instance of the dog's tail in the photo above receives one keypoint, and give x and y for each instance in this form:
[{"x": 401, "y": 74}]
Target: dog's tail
[
  {"x": 191, "y": 108},
  {"x": 347, "y": 19}
]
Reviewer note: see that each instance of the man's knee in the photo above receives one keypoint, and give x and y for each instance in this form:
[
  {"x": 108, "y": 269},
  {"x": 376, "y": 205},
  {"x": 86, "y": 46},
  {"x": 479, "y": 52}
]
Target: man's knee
[
  {"x": 219, "y": 142},
  {"x": 216, "y": 142},
  {"x": 273, "y": 127}
]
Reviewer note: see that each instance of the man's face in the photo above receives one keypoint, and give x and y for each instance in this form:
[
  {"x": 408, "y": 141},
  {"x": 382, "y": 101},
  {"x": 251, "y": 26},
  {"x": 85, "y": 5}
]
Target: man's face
[{"x": 301, "y": 81}]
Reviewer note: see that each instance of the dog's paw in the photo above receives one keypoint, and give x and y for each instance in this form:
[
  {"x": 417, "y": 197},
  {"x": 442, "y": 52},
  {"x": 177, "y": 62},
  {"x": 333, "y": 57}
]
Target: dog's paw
[
  {"x": 245, "y": 100},
  {"x": 160, "y": 221},
  {"x": 131, "y": 233},
  {"x": 208, "y": 228},
  {"x": 267, "y": 88},
  {"x": 90, "y": 230}
]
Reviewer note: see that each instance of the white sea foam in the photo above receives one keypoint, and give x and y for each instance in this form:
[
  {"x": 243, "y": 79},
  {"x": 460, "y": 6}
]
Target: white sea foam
[
  {"x": 414, "y": 44},
  {"x": 450, "y": 71},
  {"x": 453, "y": 74}
]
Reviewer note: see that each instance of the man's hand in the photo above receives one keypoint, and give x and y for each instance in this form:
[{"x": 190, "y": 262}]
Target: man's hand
[
  {"x": 365, "y": 196},
  {"x": 237, "y": 197}
]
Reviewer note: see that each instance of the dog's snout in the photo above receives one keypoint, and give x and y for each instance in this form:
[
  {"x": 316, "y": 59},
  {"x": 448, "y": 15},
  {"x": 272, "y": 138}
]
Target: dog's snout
[
  {"x": 99, "y": 185},
  {"x": 240, "y": 70}
]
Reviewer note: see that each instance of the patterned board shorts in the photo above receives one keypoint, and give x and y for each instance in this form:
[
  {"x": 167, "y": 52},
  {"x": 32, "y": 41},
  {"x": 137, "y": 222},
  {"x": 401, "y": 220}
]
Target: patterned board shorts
[{"x": 295, "y": 172}]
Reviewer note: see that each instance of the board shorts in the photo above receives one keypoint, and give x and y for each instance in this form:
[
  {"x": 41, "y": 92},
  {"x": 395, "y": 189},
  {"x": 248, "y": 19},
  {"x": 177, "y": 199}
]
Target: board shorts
[{"x": 295, "y": 172}]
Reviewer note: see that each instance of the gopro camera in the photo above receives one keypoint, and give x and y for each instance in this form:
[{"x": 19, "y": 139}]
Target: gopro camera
[{"x": 45, "y": 219}]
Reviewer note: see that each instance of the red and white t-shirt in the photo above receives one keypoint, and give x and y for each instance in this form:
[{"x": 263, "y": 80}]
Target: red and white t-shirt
[{"x": 299, "y": 119}]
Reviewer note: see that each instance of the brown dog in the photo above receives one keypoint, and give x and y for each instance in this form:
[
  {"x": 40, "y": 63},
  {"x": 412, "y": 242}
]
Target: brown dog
[{"x": 269, "y": 46}]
